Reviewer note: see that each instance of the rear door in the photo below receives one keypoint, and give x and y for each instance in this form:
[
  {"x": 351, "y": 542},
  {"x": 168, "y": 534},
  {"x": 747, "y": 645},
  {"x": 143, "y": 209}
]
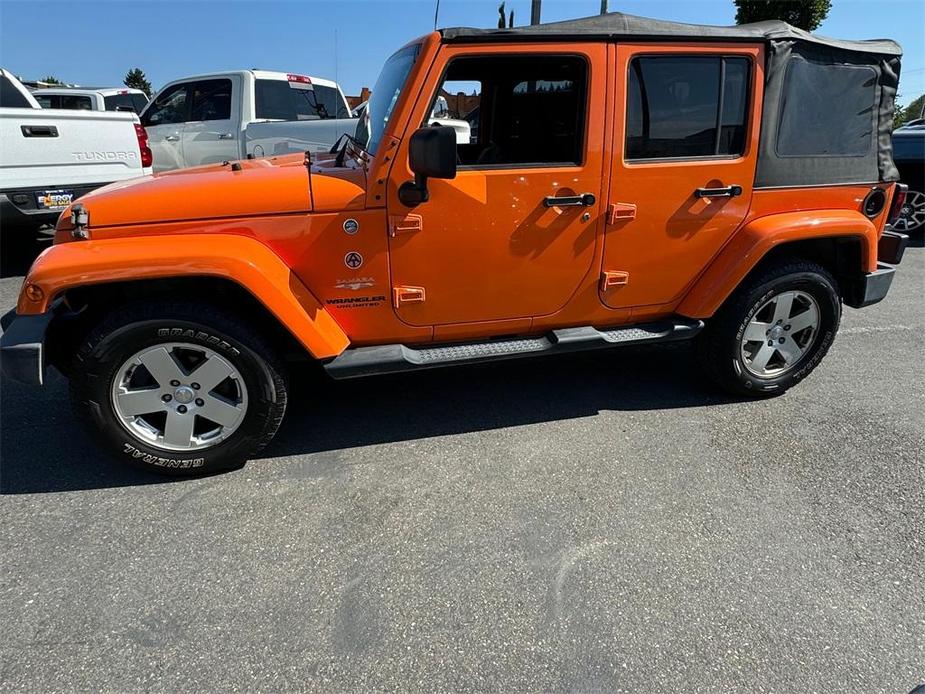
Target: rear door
[
  {"x": 163, "y": 120},
  {"x": 685, "y": 146},
  {"x": 211, "y": 134}
]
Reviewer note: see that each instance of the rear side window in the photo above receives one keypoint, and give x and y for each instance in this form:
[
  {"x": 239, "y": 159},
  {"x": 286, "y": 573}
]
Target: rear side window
[
  {"x": 133, "y": 102},
  {"x": 283, "y": 100},
  {"x": 686, "y": 106},
  {"x": 10, "y": 96},
  {"x": 827, "y": 110},
  {"x": 211, "y": 100},
  {"x": 71, "y": 102},
  {"x": 168, "y": 107}
]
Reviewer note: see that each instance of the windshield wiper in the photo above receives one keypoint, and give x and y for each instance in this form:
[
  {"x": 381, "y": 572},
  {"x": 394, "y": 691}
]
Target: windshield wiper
[{"x": 341, "y": 149}]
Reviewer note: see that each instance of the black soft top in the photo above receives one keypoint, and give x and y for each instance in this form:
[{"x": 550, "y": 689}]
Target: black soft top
[
  {"x": 617, "y": 25},
  {"x": 828, "y": 104}
]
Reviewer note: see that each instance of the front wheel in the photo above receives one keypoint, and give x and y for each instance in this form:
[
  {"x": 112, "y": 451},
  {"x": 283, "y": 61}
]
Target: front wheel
[
  {"x": 773, "y": 331},
  {"x": 179, "y": 389}
]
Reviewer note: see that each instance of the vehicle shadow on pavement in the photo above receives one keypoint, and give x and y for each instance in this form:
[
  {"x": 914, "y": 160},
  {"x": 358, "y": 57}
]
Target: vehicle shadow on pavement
[
  {"x": 17, "y": 254},
  {"x": 327, "y": 415},
  {"x": 44, "y": 449}
]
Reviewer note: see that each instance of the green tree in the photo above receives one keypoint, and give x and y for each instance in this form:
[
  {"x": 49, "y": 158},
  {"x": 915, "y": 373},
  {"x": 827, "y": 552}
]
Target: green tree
[
  {"x": 805, "y": 14},
  {"x": 51, "y": 79},
  {"x": 910, "y": 112},
  {"x": 135, "y": 79}
]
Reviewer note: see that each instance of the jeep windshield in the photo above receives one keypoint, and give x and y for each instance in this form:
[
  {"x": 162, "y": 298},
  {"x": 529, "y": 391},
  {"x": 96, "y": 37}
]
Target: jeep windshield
[{"x": 386, "y": 93}]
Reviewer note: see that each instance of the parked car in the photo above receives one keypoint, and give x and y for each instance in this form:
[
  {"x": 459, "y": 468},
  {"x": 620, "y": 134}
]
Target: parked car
[
  {"x": 97, "y": 99},
  {"x": 52, "y": 156},
  {"x": 439, "y": 115},
  {"x": 633, "y": 181},
  {"x": 909, "y": 155},
  {"x": 228, "y": 115}
]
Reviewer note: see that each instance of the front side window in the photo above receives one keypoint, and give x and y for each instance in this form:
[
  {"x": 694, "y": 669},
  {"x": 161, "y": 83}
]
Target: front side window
[
  {"x": 387, "y": 90},
  {"x": 211, "y": 100},
  {"x": 686, "y": 106},
  {"x": 168, "y": 107},
  {"x": 516, "y": 110}
]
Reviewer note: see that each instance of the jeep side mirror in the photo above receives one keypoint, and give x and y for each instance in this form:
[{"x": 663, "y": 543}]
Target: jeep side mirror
[{"x": 431, "y": 154}]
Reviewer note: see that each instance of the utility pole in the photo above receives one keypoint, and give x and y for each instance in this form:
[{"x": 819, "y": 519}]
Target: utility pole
[
  {"x": 604, "y": 8},
  {"x": 535, "y": 11}
]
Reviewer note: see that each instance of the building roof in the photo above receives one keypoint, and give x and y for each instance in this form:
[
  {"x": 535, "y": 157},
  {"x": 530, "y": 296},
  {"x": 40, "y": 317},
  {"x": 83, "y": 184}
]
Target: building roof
[{"x": 616, "y": 25}]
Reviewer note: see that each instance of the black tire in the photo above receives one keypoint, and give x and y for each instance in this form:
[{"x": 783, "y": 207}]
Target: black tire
[
  {"x": 139, "y": 325},
  {"x": 718, "y": 346}
]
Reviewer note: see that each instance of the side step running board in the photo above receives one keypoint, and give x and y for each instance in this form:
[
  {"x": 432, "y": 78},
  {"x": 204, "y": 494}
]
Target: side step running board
[{"x": 366, "y": 361}]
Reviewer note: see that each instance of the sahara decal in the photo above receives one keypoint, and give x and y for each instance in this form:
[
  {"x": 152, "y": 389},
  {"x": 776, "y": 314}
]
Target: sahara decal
[{"x": 355, "y": 283}]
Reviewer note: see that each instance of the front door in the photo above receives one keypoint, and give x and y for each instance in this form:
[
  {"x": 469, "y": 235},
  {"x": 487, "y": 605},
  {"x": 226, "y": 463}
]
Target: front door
[
  {"x": 163, "y": 120},
  {"x": 209, "y": 136},
  {"x": 685, "y": 145},
  {"x": 494, "y": 243}
]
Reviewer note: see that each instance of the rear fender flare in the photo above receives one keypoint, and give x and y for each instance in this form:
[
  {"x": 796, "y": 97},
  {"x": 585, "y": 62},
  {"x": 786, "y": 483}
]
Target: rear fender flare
[
  {"x": 753, "y": 241},
  {"x": 241, "y": 259}
]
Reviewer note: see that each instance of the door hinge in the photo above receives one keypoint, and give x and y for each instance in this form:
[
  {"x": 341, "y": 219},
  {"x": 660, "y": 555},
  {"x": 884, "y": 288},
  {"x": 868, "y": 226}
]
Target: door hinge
[
  {"x": 619, "y": 211},
  {"x": 408, "y": 295},
  {"x": 614, "y": 278},
  {"x": 405, "y": 224}
]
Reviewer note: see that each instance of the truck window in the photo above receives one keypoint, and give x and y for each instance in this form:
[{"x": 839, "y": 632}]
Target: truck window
[
  {"x": 211, "y": 100},
  {"x": 135, "y": 102},
  {"x": 686, "y": 106},
  {"x": 168, "y": 107},
  {"x": 521, "y": 110},
  {"x": 71, "y": 102},
  {"x": 284, "y": 100},
  {"x": 10, "y": 96}
]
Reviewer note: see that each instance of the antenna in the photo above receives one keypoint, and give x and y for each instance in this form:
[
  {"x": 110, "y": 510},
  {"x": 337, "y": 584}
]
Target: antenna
[{"x": 436, "y": 14}]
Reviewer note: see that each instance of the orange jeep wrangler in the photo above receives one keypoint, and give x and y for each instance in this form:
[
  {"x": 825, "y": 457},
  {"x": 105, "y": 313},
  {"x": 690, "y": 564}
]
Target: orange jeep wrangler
[{"x": 605, "y": 181}]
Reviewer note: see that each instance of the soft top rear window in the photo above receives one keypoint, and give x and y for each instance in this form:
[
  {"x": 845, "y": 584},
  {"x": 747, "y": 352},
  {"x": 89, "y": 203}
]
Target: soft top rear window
[{"x": 827, "y": 110}]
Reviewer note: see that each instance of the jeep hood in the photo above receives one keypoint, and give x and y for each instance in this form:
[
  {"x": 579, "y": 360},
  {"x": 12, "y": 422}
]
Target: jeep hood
[{"x": 249, "y": 188}]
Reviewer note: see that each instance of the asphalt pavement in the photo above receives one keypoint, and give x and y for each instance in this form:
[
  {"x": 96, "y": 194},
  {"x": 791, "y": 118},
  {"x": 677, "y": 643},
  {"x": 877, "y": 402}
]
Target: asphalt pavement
[{"x": 600, "y": 522}]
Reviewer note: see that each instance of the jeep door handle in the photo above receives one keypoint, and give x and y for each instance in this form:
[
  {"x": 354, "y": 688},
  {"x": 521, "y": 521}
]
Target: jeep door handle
[
  {"x": 732, "y": 191},
  {"x": 583, "y": 200},
  {"x": 172, "y": 138}
]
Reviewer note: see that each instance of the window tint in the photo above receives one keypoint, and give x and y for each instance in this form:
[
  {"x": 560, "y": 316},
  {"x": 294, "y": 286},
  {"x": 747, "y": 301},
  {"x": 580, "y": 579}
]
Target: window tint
[
  {"x": 10, "y": 96},
  {"x": 330, "y": 100},
  {"x": 282, "y": 100},
  {"x": 116, "y": 102},
  {"x": 71, "y": 102},
  {"x": 686, "y": 106},
  {"x": 167, "y": 107},
  {"x": 812, "y": 95},
  {"x": 211, "y": 100},
  {"x": 519, "y": 110}
]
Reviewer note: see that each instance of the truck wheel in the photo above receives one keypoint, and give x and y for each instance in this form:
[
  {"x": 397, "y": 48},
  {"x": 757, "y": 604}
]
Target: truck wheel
[
  {"x": 177, "y": 388},
  {"x": 773, "y": 331}
]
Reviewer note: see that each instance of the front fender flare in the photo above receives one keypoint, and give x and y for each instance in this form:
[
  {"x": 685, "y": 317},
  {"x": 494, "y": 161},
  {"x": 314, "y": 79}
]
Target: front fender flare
[
  {"x": 751, "y": 243},
  {"x": 241, "y": 259}
]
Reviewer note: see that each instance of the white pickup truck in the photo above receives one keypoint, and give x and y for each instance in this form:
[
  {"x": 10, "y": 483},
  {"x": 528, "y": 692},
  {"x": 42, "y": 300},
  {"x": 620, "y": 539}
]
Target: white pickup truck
[
  {"x": 50, "y": 157},
  {"x": 228, "y": 115}
]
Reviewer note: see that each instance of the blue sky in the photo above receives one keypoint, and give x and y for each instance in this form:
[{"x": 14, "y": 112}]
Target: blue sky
[{"x": 97, "y": 42}]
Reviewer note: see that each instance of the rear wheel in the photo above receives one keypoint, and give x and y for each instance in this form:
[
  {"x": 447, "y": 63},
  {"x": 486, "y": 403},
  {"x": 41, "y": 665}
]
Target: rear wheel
[
  {"x": 773, "y": 331},
  {"x": 178, "y": 388}
]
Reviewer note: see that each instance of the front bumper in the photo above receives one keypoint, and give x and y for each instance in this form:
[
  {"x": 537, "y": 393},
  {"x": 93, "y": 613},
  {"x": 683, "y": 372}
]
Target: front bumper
[{"x": 23, "y": 354}]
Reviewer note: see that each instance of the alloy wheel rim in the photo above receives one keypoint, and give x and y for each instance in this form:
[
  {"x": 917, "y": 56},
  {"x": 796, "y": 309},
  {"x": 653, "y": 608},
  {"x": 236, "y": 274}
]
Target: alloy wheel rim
[
  {"x": 179, "y": 397},
  {"x": 780, "y": 334},
  {"x": 912, "y": 213}
]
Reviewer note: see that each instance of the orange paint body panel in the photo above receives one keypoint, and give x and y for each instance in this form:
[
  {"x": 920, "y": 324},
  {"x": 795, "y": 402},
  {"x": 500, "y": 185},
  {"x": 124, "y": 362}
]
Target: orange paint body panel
[{"x": 237, "y": 258}]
